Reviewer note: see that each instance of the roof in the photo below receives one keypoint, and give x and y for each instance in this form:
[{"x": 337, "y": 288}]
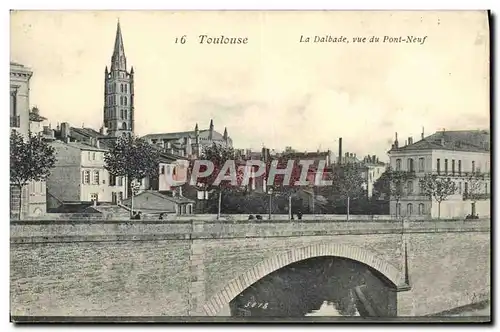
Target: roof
[
  {"x": 307, "y": 154},
  {"x": 163, "y": 195},
  {"x": 81, "y": 146},
  {"x": 35, "y": 115},
  {"x": 89, "y": 132},
  {"x": 176, "y": 135},
  {"x": 458, "y": 140}
]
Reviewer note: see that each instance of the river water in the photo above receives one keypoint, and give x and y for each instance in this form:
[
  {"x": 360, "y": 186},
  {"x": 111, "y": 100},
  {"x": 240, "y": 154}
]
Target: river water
[
  {"x": 328, "y": 309},
  {"x": 318, "y": 287}
]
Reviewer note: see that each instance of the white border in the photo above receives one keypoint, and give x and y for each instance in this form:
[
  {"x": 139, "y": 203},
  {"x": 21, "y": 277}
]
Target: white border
[{"x": 189, "y": 5}]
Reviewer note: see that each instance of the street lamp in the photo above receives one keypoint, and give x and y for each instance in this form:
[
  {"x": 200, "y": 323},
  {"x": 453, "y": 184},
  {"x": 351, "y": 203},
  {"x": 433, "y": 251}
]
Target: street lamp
[{"x": 270, "y": 192}]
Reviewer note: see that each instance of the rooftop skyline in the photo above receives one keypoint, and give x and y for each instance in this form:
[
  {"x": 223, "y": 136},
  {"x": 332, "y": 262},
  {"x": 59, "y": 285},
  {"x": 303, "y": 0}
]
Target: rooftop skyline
[{"x": 274, "y": 90}]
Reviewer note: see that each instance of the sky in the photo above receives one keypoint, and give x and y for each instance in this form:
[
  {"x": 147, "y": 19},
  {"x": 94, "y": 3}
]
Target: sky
[{"x": 274, "y": 90}]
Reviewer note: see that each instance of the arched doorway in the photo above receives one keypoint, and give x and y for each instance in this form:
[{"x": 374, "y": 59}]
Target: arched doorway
[{"x": 319, "y": 286}]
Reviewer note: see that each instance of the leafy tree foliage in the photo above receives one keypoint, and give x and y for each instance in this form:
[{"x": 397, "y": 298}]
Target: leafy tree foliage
[
  {"x": 31, "y": 159},
  {"x": 348, "y": 181},
  {"x": 132, "y": 157},
  {"x": 475, "y": 182},
  {"x": 392, "y": 185},
  {"x": 438, "y": 188}
]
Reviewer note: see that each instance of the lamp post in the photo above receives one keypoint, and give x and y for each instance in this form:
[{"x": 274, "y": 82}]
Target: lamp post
[{"x": 270, "y": 192}]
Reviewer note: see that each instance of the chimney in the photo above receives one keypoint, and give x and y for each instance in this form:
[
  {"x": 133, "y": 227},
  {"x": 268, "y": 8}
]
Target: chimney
[
  {"x": 340, "y": 150},
  {"x": 410, "y": 140},
  {"x": 396, "y": 143},
  {"x": 422, "y": 132},
  {"x": 65, "y": 130}
]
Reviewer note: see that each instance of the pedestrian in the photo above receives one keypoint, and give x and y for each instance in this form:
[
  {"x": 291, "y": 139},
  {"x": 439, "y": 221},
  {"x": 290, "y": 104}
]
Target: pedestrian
[
  {"x": 299, "y": 215},
  {"x": 161, "y": 216}
]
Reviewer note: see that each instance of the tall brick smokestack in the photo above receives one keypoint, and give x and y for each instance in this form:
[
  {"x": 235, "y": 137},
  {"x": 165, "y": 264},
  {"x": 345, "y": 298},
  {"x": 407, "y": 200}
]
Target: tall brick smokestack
[{"x": 340, "y": 150}]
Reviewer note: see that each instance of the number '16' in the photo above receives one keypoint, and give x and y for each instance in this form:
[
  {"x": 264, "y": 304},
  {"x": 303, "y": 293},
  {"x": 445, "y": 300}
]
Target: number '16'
[{"x": 182, "y": 40}]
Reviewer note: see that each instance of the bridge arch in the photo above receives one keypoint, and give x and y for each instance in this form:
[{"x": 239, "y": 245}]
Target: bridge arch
[{"x": 269, "y": 265}]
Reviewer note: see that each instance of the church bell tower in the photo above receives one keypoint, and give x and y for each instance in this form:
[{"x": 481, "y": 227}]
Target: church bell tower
[{"x": 118, "y": 92}]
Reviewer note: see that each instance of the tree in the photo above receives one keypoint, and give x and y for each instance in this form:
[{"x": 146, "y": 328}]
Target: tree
[
  {"x": 438, "y": 188},
  {"x": 133, "y": 158},
  {"x": 279, "y": 185},
  {"x": 474, "y": 183},
  {"x": 392, "y": 185},
  {"x": 348, "y": 181},
  {"x": 218, "y": 154},
  {"x": 31, "y": 159}
]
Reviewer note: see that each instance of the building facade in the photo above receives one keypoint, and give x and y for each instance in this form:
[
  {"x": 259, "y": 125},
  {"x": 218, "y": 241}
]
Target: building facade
[
  {"x": 373, "y": 170},
  {"x": 79, "y": 175},
  {"x": 118, "y": 91},
  {"x": 463, "y": 156},
  {"x": 33, "y": 195},
  {"x": 189, "y": 144}
]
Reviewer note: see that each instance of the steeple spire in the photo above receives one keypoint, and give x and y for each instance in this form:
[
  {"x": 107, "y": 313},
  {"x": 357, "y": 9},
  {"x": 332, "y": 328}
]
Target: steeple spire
[
  {"x": 118, "y": 60},
  {"x": 225, "y": 134}
]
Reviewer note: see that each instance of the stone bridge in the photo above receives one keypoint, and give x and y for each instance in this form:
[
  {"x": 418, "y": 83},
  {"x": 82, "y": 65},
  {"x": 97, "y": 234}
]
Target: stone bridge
[{"x": 196, "y": 267}]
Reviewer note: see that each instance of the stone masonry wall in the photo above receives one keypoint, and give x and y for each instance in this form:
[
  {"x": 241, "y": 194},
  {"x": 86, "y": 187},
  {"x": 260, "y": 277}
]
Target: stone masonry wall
[{"x": 182, "y": 268}]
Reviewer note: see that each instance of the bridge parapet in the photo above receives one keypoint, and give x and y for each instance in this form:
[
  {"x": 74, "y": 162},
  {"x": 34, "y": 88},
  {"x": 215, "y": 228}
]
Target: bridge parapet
[{"x": 109, "y": 230}]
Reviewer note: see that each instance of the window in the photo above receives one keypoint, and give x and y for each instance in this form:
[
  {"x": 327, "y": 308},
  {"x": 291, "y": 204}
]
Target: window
[
  {"x": 125, "y": 101},
  {"x": 124, "y": 126},
  {"x": 173, "y": 172},
  {"x": 86, "y": 177},
  {"x": 125, "y": 113},
  {"x": 473, "y": 166},
  {"x": 453, "y": 166},
  {"x": 409, "y": 209},
  {"x": 113, "y": 198},
  {"x": 460, "y": 188},
  {"x": 410, "y": 165},
  {"x": 94, "y": 197},
  {"x": 88, "y": 155},
  {"x": 486, "y": 188},
  {"x": 96, "y": 177},
  {"x": 410, "y": 187},
  {"x": 120, "y": 180},
  {"x": 13, "y": 103},
  {"x": 162, "y": 170},
  {"x": 438, "y": 166},
  {"x": 421, "y": 164},
  {"x": 112, "y": 180},
  {"x": 93, "y": 155},
  {"x": 122, "y": 115},
  {"x": 126, "y": 86},
  {"x": 121, "y": 88},
  {"x": 398, "y": 164},
  {"x": 459, "y": 167},
  {"x": 466, "y": 188},
  {"x": 421, "y": 209},
  {"x": 446, "y": 166},
  {"x": 398, "y": 209}
]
